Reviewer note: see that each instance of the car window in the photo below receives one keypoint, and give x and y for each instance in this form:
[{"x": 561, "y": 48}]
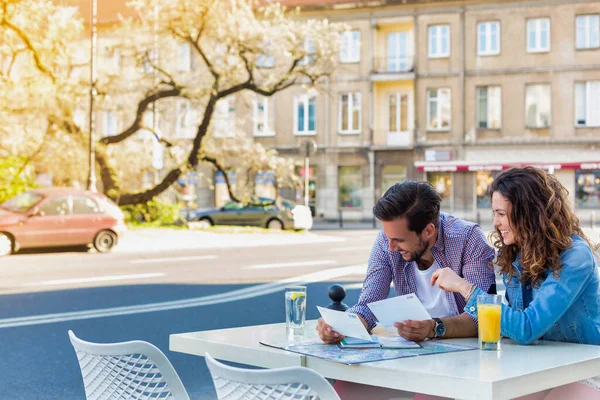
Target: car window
[
  {"x": 22, "y": 202},
  {"x": 55, "y": 206},
  {"x": 84, "y": 205},
  {"x": 232, "y": 206}
]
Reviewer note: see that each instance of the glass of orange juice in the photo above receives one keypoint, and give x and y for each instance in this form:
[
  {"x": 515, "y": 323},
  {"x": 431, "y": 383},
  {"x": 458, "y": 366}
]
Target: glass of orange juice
[{"x": 489, "y": 313}]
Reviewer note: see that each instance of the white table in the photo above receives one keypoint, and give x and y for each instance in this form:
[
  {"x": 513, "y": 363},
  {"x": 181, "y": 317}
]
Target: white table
[{"x": 514, "y": 371}]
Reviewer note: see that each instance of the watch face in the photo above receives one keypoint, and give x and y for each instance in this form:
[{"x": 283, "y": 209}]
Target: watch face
[{"x": 440, "y": 329}]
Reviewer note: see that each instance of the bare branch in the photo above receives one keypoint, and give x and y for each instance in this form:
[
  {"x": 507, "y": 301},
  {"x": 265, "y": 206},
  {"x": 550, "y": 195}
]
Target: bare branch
[
  {"x": 142, "y": 106},
  {"x": 25, "y": 39},
  {"x": 220, "y": 168}
]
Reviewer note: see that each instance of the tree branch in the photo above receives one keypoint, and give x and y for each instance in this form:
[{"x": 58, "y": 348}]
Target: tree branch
[
  {"x": 142, "y": 106},
  {"x": 220, "y": 168},
  {"x": 25, "y": 39}
]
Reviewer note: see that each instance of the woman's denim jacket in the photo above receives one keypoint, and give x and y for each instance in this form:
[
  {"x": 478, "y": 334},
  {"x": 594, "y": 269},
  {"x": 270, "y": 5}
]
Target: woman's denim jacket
[{"x": 564, "y": 308}]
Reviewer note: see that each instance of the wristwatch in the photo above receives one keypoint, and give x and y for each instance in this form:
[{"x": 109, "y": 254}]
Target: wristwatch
[{"x": 440, "y": 329}]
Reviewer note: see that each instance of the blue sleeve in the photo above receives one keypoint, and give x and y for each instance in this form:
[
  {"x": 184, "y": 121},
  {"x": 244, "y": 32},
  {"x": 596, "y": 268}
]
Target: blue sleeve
[
  {"x": 377, "y": 282},
  {"x": 554, "y": 297}
]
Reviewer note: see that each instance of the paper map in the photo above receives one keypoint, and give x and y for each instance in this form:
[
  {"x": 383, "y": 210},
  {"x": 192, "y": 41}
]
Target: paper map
[{"x": 332, "y": 352}]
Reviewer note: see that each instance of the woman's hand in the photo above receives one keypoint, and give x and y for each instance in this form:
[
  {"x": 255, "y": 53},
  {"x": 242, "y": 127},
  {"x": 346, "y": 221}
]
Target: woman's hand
[{"x": 447, "y": 280}]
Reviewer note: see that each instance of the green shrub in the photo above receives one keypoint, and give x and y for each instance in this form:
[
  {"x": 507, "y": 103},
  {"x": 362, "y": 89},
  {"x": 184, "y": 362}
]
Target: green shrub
[
  {"x": 156, "y": 212},
  {"x": 15, "y": 177}
]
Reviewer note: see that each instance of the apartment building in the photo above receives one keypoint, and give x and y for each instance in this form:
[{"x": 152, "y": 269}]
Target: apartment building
[
  {"x": 447, "y": 91},
  {"x": 455, "y": 91}
]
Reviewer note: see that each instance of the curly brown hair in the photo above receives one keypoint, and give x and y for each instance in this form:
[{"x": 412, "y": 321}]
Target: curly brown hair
[{"x": 541, "y": 219}]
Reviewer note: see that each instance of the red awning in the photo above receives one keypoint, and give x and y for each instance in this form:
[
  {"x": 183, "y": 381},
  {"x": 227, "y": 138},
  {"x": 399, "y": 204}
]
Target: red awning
[{"x": 464, "y": 166}]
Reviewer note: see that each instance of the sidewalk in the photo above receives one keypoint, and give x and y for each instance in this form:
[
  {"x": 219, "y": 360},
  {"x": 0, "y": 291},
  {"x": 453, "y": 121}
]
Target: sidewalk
[{"x": 164, "y": 239}]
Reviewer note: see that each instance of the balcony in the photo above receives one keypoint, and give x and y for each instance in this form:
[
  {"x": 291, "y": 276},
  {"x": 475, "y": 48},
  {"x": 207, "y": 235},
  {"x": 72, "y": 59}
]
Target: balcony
[
  {"x": 384, "y": 140},
  {"x": 393, "y": 68}
]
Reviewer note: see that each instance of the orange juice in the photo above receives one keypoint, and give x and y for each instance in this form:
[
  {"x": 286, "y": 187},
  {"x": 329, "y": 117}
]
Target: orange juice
[{"x": 489, "y": 316}]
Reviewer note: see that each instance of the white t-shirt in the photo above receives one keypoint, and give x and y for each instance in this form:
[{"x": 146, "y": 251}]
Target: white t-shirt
[{"x": 433, "y": 298}]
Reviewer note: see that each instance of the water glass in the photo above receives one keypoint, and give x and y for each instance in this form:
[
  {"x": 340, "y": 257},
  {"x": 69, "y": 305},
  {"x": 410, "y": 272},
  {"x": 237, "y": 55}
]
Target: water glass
[
  {"x": 295, "y": 311},
  {"x": 489, "y": 315}
]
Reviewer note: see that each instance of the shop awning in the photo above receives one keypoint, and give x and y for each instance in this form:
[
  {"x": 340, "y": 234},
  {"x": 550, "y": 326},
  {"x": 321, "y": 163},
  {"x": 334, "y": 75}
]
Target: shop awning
[{"x": 465, "y": 166}]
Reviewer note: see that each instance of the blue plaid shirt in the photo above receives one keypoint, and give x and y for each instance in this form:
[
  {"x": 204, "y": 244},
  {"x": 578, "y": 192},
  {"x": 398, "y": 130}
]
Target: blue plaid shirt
[{"x": 460, "y": 245}]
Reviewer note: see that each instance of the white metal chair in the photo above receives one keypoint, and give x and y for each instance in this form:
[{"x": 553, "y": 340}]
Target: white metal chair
[
  {"x": 297, "y": 383},
  {"x": 133, "y": 370}
]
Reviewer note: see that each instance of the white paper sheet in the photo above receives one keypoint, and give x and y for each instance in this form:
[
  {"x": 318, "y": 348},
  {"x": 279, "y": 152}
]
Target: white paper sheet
[
  {"x": 346, "y": 324},
  {"x": 398, "y": 309}
]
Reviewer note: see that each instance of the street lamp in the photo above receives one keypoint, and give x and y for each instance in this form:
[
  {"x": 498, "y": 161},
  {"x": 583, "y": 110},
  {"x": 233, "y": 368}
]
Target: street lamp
[{"x": 91, "y": 183}]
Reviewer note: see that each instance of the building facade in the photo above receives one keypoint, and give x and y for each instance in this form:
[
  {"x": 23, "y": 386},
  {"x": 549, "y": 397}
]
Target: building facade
[{"x": 453, "y": 92}]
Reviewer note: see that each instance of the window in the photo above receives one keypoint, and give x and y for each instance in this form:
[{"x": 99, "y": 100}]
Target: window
[
  {"x": 111, "y": 60},
  {"x": 266, "y": 60},
  {"x": 84, "y": 205},
  {"x": 350, "y": 47},
  {"x": 110, "y": 123},
  {"x": 442, "y": 183},
  {"x": 262, "y": 126},
  {"x": 587, "y": 104},
  {"x": 151, "y": 57},
  {"x": 55, "y": 206},
  {"x": 309, "y": 51},
  {"x": 185, "y": 120},
  {"x": 350, "y": 184},
  {"x": 439, "y": 41},
  {"x": 224, "y": 118},
  {"x": 587, "y": 189},
  {"x": 398, "y": 57},
  {"x": 489, "y": 107},
  {"x": 488, "y": 38},
  {"x": 391, "y": 175},
  {"x": 537, "y": 106},
  {"x": 587, "y": 34},
  {"x": 80, "y": 118},
  {"x": 305, "y": 115},
  {"x": 350, "y": 113},
  {"x": 538, "y": 35},
  {"x": 483, "y": 181},
  {"x": 398, "y": 113},
  {"x": 438, "y": 109},
  {"x": 184, "y": 57}
]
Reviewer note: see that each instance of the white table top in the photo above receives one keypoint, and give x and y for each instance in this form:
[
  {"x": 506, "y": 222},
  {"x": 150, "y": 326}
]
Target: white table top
[{"x": 514, "y": 371}]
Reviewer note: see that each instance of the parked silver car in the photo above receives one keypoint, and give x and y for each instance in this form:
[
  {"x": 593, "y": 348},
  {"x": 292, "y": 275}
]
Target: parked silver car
[{"x": 264, "y": 212}]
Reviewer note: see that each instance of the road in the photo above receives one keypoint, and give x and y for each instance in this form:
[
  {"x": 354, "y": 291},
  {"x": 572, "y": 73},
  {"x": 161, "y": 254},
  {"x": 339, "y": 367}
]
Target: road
[{"x": 150, "y": 293}]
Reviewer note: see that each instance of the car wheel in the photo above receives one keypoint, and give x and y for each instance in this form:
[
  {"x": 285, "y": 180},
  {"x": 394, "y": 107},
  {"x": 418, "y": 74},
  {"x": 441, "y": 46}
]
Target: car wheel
[
  {"x": 204, "y": 223},
  {"x": 105, "y": 241},
  {"x": 275, "y": 224},
  {"x": 6, "y": 244}
]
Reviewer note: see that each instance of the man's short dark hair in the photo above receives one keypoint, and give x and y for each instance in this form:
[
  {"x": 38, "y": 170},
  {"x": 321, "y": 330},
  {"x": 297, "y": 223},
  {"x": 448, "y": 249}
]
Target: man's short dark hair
[{"x": 418, "y": 202}]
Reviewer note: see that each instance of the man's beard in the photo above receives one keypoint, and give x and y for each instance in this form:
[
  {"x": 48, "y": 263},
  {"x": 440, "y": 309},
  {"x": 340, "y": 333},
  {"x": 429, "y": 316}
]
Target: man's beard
[{"x": 416, "y": 255}]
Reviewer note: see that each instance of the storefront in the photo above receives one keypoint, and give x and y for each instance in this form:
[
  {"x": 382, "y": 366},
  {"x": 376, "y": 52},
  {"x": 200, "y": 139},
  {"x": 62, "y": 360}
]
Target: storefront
[{"x": 464, "y": 186}]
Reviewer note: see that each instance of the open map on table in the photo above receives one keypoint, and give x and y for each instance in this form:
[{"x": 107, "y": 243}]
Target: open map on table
[{"x": 332, "y": 352}]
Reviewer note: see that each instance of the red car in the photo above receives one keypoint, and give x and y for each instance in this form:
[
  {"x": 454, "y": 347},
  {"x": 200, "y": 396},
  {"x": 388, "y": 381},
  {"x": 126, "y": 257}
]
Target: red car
[{"x": 56, "y": 217}]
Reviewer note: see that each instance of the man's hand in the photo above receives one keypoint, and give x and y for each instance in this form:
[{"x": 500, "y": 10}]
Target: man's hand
[
  {"x": 327, "y": 335},
  {"x": 415, "y": 330},
  {"x": 447, "y": 280}
]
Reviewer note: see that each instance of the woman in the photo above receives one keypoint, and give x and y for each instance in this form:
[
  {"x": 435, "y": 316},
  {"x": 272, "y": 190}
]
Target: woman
[{"x": 548, "y": 267}]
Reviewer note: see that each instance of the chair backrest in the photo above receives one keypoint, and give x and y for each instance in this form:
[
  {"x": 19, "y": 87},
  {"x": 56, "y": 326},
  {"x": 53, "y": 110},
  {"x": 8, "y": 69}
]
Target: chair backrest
[
  {"x": 133, "y": 370},
  {"x": 297, "y": 383}
]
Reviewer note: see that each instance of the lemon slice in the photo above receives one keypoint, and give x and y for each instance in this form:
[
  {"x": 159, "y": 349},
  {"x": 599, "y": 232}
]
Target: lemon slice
[{"x": 295, "y": 295}]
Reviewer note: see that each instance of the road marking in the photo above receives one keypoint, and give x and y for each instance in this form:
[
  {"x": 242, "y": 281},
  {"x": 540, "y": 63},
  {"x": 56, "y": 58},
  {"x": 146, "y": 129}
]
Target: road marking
[
  {"x": 95, "y": 279},
  {"x": 158, "y": 260},
  {"x": 291, "y": 264},
  {"x": 235, "y": 295},
  {"x": 351, "y": 248}
]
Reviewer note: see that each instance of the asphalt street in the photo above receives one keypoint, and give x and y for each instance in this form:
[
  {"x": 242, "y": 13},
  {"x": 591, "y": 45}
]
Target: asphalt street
[{"x": 150, "y": 293}]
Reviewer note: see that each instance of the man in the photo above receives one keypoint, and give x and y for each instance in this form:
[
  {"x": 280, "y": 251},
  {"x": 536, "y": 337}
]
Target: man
[{"x": 416, "y": 240}]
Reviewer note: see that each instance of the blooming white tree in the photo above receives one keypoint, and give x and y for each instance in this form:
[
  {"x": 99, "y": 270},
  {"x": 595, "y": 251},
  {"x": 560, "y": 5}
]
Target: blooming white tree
[{"x": 236, "y": 46}]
